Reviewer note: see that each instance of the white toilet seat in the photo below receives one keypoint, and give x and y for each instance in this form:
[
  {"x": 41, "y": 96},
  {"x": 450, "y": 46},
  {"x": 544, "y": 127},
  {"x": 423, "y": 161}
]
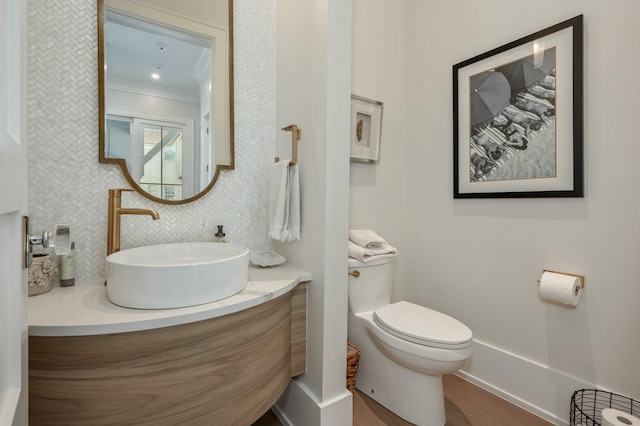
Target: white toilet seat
[
  {"x": 422, "y": 326},
  {"x": 418, "y": 357}
]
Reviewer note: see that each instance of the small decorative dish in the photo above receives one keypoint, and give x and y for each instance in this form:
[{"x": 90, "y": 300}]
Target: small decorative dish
[{"x": 265, "y": 258}]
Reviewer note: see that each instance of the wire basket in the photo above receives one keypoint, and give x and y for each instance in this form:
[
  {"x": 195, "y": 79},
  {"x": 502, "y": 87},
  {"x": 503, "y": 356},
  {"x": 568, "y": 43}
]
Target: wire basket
[{"x": 587, "y": 406}]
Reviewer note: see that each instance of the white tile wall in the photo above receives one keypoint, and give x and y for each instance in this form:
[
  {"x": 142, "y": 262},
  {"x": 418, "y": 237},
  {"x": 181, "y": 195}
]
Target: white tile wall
[{"x": 68, "y": 185}]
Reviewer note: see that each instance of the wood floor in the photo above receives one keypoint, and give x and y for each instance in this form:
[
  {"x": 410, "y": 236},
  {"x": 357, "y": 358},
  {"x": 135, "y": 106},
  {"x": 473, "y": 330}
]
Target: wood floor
[{"x": 466, "y": 405}]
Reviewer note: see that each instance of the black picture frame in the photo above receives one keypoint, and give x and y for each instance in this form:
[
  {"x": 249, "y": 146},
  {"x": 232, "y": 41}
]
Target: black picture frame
[{"x": 518, "y": 117}]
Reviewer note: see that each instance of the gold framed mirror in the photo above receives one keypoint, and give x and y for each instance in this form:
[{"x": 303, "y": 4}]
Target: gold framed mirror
[{"x": 165, "y": 72}]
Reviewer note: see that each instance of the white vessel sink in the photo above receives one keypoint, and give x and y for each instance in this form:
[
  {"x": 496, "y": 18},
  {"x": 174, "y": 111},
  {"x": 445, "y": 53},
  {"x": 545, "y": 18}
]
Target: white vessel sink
[{"x": 176, "y": 275}]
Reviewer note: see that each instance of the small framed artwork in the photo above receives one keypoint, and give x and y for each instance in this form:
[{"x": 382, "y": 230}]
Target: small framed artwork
[
  {"x": 366, "y": 128},
  {"x": 518, "y": 119}
]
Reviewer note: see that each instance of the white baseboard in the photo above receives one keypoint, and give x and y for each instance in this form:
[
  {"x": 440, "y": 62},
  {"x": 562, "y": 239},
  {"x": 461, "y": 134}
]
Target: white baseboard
[
  {"x": 534, "y": 387},
  {"x": 299, "y": 406}
]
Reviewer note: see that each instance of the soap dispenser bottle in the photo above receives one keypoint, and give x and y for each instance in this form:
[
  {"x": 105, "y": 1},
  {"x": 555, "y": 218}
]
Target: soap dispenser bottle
[{"x": 220, "y": 236}]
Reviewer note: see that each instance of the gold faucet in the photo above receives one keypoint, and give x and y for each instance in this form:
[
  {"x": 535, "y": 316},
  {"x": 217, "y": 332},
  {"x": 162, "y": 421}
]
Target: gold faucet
[{"x": 115, "y": 211}]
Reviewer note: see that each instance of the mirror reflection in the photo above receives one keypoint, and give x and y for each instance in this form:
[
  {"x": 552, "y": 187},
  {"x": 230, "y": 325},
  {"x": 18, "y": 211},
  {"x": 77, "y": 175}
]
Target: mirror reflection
[{"x": 165, "y": 94}]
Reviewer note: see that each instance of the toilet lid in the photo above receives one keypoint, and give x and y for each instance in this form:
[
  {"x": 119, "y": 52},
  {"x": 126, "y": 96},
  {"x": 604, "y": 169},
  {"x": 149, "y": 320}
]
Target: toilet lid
[{"x": 423, "y": 326}]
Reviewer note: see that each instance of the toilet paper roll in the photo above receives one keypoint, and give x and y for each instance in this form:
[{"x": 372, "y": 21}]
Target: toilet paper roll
[
  {"x": 613, "y": 417},
  {"x": 560, "y": 288}
]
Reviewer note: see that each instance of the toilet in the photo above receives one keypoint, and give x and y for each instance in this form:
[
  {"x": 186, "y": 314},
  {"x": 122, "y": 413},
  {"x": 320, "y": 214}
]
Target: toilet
[{"x": 404, "y": 348}]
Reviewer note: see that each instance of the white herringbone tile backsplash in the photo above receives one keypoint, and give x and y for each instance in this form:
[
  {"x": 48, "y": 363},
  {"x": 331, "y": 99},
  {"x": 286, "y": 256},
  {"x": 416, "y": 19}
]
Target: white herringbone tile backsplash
[{"x": 67, "y": 184}]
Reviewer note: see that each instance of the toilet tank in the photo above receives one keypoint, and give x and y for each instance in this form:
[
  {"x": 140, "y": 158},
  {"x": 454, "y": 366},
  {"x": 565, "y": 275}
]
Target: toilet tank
[{"x": 372, "y": 288}]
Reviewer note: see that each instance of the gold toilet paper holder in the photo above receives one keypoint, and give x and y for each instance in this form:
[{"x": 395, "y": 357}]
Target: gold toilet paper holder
[{"x": 581, "y": 277}]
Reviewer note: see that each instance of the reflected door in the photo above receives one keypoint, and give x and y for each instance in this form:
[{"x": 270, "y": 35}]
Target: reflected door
[{"x": 159, "y": 157}]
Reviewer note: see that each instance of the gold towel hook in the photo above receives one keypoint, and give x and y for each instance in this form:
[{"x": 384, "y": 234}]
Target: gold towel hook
[
  {"x": 295, "y": 137},
  {"x": 355, "y": 273}
]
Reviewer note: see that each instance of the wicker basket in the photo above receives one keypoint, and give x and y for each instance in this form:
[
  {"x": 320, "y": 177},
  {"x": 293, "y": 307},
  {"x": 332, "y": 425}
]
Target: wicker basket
[{"x": 353, "y": 356}]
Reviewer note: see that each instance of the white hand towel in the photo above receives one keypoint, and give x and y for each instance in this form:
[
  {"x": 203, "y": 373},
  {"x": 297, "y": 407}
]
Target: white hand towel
[
  {"x": 293, "y": 229},
  {"x": 366, "y": 238},
  {"x": 284, "y": 212},
  {"x": 364, "y": 254},
  {"x": 278, "y": 201}
]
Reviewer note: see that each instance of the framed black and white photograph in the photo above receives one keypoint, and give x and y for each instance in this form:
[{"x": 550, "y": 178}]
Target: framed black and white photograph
[
  {"x": 366, "y": 128},
  {"x": 518, "y": 118}
]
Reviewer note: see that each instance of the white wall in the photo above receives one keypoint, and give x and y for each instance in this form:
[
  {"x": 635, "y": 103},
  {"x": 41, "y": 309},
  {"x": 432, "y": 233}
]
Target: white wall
[
  {"x": 313, "y": 81},
  {"x": 379, "y": 68},
  {"x": 479, "y": 260},
  {"x": 124, "y": 100}
]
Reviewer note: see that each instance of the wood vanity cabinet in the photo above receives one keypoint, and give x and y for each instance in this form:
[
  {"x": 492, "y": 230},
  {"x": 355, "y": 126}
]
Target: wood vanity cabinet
[{"x": 227, "y": 370}]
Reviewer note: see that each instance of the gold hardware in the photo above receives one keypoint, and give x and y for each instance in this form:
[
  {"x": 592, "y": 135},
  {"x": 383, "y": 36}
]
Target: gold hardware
[
  {"x": 115, "y": 211},
  {"x": 355, "y": 273},
  {"x": 295, "y": 137}
]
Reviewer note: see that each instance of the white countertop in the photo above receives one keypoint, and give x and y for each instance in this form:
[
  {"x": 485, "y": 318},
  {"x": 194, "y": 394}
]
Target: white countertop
[{"x": 83, "y": 309}]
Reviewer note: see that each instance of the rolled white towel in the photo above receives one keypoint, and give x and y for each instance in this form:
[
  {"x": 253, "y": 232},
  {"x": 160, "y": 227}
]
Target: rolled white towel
[
  {"x": 367, "y": 238},
  {"x": 364, "y": 254}
]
